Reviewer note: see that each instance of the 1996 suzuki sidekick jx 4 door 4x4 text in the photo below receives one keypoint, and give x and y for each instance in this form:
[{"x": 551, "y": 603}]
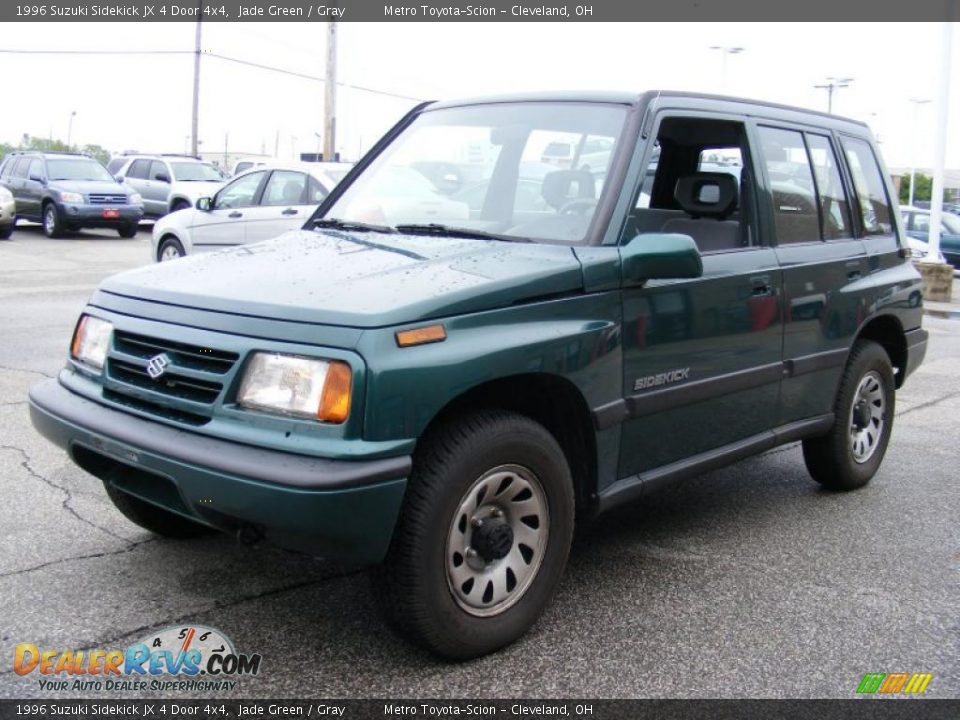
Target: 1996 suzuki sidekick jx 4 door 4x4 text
[{"x": 466, "y": 347}]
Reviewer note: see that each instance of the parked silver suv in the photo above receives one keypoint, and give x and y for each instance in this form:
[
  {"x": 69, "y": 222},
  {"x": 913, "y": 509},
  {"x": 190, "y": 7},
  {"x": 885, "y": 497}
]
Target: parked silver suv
[{"x": 169, "y": 182}]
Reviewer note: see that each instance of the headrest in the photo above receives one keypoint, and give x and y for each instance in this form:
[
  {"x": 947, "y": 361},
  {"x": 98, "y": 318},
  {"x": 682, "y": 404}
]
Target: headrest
[
  {"x": 563, "y": 186},
  {"x": 707, "y": 194}
]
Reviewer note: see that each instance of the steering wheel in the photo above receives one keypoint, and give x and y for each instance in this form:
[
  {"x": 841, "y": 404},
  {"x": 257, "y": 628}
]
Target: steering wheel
[{"x": 581, "y": 206}]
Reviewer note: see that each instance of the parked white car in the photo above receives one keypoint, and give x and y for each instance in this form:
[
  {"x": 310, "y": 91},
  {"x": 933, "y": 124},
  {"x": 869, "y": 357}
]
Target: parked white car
[{"x": 256, "y": 205}]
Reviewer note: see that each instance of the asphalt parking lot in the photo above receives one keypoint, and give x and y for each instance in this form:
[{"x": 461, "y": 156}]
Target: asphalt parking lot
[{"x": 747, "y": 582}]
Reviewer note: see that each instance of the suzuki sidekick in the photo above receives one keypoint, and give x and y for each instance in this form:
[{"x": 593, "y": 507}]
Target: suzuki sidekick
[{"x": 442, "y": 378}]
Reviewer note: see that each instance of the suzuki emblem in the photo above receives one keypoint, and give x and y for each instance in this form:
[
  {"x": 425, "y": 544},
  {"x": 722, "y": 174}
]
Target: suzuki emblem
[{"x": 157, "y": 365}]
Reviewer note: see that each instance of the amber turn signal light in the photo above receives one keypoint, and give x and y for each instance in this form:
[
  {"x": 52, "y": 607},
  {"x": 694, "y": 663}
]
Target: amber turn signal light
[
  {"x": 421, "y": 336},
  {"x": 335, "y": 400}
]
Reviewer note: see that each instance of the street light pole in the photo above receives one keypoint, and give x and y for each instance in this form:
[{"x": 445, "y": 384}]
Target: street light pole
[
  {"x": 831, "y": 85},
  {"x": 940, "y": 144},
  {"x": 724, "y": 52},
  {"x": 70, "y": 129},
  {"x": 913, "y": 146},
  {"x": 330, "y": 96}
]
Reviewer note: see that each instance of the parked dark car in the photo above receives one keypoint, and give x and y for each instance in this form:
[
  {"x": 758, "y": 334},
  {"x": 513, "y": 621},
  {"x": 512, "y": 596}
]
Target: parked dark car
[
  {"x": 66, "y": 191},
  {"x": 917, "y": 221},
  {"x": 447, "y": 387}
]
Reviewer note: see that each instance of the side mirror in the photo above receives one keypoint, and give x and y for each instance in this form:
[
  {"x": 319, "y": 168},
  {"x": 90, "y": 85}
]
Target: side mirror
[
  {"x": 162, "y": 177},
  {"x": 660, "y": 256},
  {"x": 118, "y": 178},
  {"x": 204, "y": 204},
  {"x": 37, "y": 178}
]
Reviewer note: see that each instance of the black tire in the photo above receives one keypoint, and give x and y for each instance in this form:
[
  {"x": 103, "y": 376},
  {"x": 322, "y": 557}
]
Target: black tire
[
  {"x": 52, "y": 224},
  {"x": 6, "y": 232},
  {"x": 172, "y": 245},
  {"x": 155, "y": 519},
  {"x": 128, "y": 231},
  {"x": 179, "y": 205},
  {"x": 413, "y": 586},
  {"x": 831, "y": 459}
]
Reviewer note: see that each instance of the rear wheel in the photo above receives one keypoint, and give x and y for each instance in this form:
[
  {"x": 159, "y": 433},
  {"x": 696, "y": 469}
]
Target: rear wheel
[
  {"x": 153, "y": 518},
  {"x": 170, "y": 249},
  {"x": 850, "y": 454},
  {"x": 52, "y": 225},
  {"x": 6, "y": 231},
  {"x": 483, "y": 536}
]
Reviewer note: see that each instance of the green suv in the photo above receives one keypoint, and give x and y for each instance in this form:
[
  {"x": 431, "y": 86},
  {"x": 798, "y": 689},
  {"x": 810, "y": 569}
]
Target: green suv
[{"x": 444, "y": 388}]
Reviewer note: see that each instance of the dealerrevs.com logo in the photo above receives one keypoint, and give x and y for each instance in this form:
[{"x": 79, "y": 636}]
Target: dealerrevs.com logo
[
  {"x": 894, "y": 683},
  {"x": 190, "y": 657}
]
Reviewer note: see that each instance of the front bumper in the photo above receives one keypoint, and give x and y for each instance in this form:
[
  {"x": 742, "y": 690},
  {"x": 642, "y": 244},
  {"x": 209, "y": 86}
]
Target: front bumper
[
  {"x": 92, "y": 215},
  {"x": 341, "y": 510}
]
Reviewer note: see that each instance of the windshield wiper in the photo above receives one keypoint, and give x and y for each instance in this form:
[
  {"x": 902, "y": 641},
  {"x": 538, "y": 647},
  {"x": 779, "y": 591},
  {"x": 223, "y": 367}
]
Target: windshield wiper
[
  {"x": 338, "y": 224},
  {"x": 447, "y": 231}
]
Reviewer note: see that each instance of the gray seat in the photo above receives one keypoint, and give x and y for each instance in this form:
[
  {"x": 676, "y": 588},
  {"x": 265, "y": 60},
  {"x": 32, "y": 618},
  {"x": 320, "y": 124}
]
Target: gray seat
[{"x": 708, "y": 199}]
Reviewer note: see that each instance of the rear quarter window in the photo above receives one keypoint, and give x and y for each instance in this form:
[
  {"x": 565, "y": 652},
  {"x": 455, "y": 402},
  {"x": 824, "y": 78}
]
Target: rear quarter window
[{"x": 869, "y": 185}]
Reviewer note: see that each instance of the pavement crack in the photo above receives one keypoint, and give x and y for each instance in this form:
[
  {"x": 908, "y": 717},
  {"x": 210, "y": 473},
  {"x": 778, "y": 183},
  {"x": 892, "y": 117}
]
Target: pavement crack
[
  {"x": 26, "y": 464},
  {"x": 15, "y": 402},
  {"x": 76, "y": 558},
  {"x": 25, "y": 370},
  {"x": 931, "y": 403}
]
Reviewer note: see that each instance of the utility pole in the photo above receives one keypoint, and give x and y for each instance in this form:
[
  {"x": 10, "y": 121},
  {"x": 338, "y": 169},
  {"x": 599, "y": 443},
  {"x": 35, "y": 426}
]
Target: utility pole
[
  {"x": 330, "y": 96},
  {"x": 73, "y": 114},
  {"x": 195, "y": 123},
  {"x": 831, "y": 85},
  {"x": 913, "y": 146},
  {"x": 226, "y": 154},
  {"x": 276, "y": 145}
]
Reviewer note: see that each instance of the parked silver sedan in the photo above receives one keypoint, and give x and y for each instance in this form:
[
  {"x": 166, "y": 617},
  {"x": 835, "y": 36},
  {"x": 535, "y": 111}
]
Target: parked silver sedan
[{"x": 259, "y": 204}]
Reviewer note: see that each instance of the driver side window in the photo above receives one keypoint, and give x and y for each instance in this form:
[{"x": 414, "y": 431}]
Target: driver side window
[{"x": 242, "y": 192}]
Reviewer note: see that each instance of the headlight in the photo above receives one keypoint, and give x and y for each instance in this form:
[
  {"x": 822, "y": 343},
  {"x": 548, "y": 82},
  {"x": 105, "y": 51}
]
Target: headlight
[
  {"x": 291, "y": 385},
  {"x": 90, "y": 341},
  {"x": 136, "y": 199},
  {"x": 71, "y": 197}
]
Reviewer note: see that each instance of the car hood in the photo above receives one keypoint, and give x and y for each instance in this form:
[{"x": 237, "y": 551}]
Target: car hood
[
  {"x": 356, "y": 279},
  {"x": 90, "y": 186},
  {"x": 197, "y": 190}
]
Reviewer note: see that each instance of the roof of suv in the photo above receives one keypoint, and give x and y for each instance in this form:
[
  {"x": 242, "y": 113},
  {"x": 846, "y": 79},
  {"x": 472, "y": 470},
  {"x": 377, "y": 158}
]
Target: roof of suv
[
  {"x": 626, "y": 98},
  {"x": 49, "y": 153}
]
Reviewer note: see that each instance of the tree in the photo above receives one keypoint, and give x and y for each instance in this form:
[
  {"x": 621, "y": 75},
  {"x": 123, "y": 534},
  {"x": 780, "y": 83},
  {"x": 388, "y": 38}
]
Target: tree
[{"x": 98, "y": 152}]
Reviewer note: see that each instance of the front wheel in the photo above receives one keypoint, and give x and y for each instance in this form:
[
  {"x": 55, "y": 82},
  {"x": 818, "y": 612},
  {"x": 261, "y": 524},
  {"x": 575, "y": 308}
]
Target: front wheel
[
  {"x": 483, "y": 537},
  {"x": 128, "y": 231},
  {"x": 170, "y": 249},
  {"x": 850, "y": 454},
  {"x": 6, "y": 232},
  {"x": 52, "y": 225},
  {"x": 179, "y": 205}
]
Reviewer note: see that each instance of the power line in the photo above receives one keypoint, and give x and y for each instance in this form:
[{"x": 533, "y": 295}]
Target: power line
[{"x": 218, "y": 56}]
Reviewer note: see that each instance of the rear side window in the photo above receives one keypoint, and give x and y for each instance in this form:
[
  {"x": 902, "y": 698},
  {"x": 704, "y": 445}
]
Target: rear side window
[
  {"x": 868, "y": 182},
  {"x": 284, "y": 188},
  {"x": 791, "y": 185},
  {"x": 834, "y": 208},
  {"x": 20, "y": 170},
  {"x": 139, "y": 169}
]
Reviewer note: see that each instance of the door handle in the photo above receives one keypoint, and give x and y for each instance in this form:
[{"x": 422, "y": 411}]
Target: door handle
[
  {"x": 853, "y": 270},
  {"x": 289, "y": 211},
  {"x": 235, "y": 214},
  {"x": 761, "y": 286}
]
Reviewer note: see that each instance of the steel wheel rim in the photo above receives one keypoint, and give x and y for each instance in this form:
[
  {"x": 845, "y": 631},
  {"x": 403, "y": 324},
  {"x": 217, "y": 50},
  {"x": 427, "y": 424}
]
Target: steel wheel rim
[
  {"x": 867, "y": 417},
  {"x": 507, "y": 495},
  {"x": 169, "y": 252},
  {"x": 49, "y": 220}
]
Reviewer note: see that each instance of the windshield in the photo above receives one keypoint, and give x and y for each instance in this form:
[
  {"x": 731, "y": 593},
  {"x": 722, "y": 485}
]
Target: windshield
[
  {"x": 79, "y": 169},
  {"x": 482, "y": 168},
  {"x": 951, "y": 223},
  {"x": 195, "y": 172}
]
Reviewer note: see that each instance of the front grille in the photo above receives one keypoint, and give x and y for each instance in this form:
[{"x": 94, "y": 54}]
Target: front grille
[
  {"x": 192, "y": 380},
  {"x": 108, "y": 199}
]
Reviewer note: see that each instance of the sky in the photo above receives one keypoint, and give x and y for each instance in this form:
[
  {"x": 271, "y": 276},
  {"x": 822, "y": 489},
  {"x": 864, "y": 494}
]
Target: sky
[{"x": 144, "y": 102}]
